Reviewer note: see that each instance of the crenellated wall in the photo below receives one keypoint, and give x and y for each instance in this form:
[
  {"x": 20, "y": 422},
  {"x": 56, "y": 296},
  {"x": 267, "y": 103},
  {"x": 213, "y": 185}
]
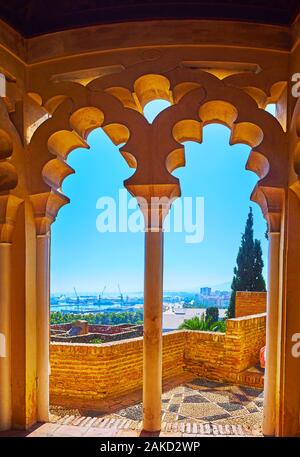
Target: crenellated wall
[{"x": 84, "y": 372}]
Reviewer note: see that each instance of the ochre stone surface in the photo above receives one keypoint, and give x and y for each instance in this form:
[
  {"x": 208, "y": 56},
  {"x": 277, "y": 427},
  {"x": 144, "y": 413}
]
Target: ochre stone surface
[
  {"x": 57, "y": 88},
  {"x": 106, "y": 370},
  {"x": 247, "y": 303},
  {"x": 82, "y": 371}
]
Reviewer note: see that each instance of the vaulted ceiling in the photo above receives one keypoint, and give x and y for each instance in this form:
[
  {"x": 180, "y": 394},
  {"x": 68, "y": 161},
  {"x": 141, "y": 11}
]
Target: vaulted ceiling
[{"x": 36, "y": 17}]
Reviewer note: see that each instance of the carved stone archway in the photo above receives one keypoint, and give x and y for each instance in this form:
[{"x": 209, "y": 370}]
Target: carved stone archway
[{"x": 115, "y": 104}]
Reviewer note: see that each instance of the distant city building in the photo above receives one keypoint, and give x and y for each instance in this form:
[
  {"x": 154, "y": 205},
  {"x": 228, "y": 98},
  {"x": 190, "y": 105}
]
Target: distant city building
[
  {"x": 206, "y": 291},
  {"x": 221, "y": 292},
  {"x": 210, "y": 301}
]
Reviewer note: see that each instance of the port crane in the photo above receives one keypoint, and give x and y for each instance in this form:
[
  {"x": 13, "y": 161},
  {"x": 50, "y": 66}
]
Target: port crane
[
  {"x": 76, "y": 295},
  {"x": 101, "y": 295},
  {"x": 121, "y": 295}
]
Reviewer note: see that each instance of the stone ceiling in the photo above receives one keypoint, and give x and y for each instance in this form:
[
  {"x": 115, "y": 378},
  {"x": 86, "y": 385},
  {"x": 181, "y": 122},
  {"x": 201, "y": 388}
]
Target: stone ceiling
[{"x": 36, "y": 17}]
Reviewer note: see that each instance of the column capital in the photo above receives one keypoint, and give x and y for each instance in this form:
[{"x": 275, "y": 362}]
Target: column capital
[
  {"x": 9, "y": 205},
  {"x": 270, "y": 200},
  {"x": 295, "y": 187},
  {"x": 45, "y": 208},
  {"x": 155, "y": 201},
  {"x": 274, "y": 223}
]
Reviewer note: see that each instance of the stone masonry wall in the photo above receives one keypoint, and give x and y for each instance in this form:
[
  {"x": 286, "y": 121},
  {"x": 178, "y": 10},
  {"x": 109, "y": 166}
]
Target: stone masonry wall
[
  {"x": 222, "y": 356},
  {"x": 103, "y": 332},
  {"x": 94, "y": 372},
  {"x": 81, "y": 372},
  {"x": 104, "y": 337},
  {"x": 248, "y": 303}
]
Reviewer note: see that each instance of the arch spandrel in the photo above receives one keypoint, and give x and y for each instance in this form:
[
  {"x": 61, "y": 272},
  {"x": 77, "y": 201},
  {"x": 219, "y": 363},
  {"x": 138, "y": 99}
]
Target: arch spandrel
[
  {"x": 131, "y": 74},
  {"x": 268, "y": 81},
  {"x": 53, "y": 94}
]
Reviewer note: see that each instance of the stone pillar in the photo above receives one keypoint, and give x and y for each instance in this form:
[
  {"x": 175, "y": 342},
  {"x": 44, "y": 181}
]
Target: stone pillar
[
  {"x": 272, "y": 335},
  {"x": 9, "y": 206},
  {"x": 154, "y": 209},
  {"x": 2, "y": 85},
  {"x": 45, "y": 208},
  {"x": 43, "y": 326},
  {"x": 288, "y": 363},
  {"x": 5, "y": 336},
  {"x": 153, "y": 294},
  {"x": 271, "y": 201}
]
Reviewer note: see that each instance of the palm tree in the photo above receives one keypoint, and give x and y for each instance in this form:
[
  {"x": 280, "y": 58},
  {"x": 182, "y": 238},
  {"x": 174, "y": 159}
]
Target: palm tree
[{"x": 199, "y": 323}]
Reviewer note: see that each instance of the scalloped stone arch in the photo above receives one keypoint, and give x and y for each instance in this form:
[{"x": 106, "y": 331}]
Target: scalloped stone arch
[
  {"x": 218, "y": 111},
  {"x": 67, "y": 129},
  {"x": 175, "y": 84},
  {"x": 115, "y": 103}
]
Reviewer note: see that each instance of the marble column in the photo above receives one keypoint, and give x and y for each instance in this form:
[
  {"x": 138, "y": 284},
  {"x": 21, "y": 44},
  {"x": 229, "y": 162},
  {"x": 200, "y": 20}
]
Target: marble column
[
  {"x": 5, "y": 336},
  {"x": 272, "y": 335},
  {"x": 43, "y": 326},
  {"x": 153, "y": 296}
]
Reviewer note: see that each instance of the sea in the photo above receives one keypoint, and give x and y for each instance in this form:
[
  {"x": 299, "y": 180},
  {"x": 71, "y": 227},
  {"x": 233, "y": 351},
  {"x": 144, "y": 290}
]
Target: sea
[
  {"x": 172, "y": 318},
  {"x": 83, "y": 308}
]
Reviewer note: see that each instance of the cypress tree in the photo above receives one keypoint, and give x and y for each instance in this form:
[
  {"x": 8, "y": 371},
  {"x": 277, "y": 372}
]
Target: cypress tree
[
  {"x": 249, "y": 265},
  {"x": 259, "y": 284}
]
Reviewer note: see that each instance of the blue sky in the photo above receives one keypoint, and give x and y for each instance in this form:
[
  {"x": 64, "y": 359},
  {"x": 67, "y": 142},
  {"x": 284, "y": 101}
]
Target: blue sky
[{"x": 89, "y": 260}]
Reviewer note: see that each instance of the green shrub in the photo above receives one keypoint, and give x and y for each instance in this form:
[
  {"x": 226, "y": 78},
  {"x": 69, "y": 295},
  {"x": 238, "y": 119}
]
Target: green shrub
[
  {"x": 199, "y": 323},
  {"x": 96, "y": 341},
  {"x": 105, "y": 318}
]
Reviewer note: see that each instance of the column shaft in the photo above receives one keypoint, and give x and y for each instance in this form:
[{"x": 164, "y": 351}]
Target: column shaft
[
  {"x": 5, "y": 337},
  {"x": 288, "y": 362},
  {"x": 153, "y": 295},
  {"x": 272, "y": 336},
  {"x": 43, "y": 294}
]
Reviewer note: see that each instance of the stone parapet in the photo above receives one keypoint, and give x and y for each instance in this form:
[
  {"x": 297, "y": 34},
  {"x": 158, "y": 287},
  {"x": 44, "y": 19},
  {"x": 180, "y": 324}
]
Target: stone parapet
[{"x": 82, "y": 372}]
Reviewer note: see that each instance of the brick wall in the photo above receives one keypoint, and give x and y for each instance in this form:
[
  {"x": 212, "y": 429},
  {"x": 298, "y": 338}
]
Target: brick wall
[
  {"x": 64, "y": 327},
  {"x": 109, "y": 329},
  {"x": 248, "y": 303},
  {"x": 94, "y": 372},
  {"x": 104, "y": 337},
  {"x": 97, "y": 328},
  {"x": 81, "y": 372},
  {"x": 222, "y": 356},
  {"x": 102, "y": 332}
]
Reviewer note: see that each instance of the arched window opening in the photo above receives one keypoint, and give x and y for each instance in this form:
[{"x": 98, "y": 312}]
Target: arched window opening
[
  {"x": 96, "y": 262},
  {"x": 272, "y": 109},
  {"x": 215, "y": 174},
  {"x": 154, "y": 108},
  {"x": 199, "y": 264}
]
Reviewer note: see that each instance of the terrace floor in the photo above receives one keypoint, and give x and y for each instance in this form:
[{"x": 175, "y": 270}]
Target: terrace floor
[{"x": 191, "y": 407}]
